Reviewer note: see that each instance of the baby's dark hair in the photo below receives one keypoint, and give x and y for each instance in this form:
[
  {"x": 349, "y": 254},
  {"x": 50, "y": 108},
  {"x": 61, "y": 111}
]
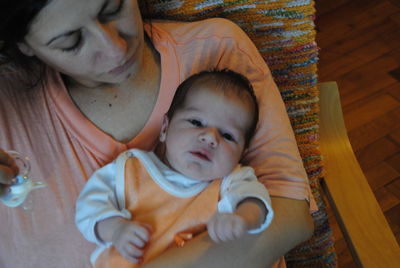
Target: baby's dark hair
[{"x": 223, "y": 79}]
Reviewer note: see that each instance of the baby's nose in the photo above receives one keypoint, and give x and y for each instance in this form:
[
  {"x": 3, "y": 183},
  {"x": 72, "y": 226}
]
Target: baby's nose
[{"x": 209, "y": 136}]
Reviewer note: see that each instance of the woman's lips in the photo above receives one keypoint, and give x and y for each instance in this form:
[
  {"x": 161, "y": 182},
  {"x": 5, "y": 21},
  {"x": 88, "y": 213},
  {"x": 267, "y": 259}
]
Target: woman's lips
[{"x": 122, "y": 68}]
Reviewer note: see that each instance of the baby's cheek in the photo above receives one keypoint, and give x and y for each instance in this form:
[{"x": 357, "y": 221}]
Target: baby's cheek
[{"x": 230, "y": 161}]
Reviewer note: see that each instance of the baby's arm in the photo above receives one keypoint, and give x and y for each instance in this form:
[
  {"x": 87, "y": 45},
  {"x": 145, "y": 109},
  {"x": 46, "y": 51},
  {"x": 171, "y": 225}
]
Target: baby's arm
[
  {"x": 245, "y": 206},
  {"x": 128, "y": 237},
  {"x": 100, "y": 214},
  {"x": 253, "y": 211}
]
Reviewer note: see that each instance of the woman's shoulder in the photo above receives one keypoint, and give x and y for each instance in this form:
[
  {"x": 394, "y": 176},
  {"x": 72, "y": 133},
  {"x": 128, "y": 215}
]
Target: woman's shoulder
[
  {"x": 11, "y": 82},
  {"x": 14, "y": 80},
  {"x": 207, "y": 44},
  {"x": 182, "y": 32}
]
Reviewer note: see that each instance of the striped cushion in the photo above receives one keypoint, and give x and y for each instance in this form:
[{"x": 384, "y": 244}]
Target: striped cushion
[{"x": 284, "y": 33}]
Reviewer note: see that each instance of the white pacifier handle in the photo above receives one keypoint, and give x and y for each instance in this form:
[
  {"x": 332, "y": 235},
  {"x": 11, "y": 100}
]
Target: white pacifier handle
[
  {"x": 22, "y": 185},
  {"x": 23, "y": 165}
]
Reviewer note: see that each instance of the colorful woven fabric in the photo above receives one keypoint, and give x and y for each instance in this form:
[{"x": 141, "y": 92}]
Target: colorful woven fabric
[{"x": 284, "y": 33}]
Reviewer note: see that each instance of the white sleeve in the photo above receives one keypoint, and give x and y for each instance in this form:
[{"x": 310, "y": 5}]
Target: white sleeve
[
  {"x": 98, "y": 201},
  {"x": 242, "y": 183}
]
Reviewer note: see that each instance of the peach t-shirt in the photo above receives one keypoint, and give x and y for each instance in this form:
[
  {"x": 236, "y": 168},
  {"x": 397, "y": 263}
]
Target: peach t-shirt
[{"x": 64, "y": 147}]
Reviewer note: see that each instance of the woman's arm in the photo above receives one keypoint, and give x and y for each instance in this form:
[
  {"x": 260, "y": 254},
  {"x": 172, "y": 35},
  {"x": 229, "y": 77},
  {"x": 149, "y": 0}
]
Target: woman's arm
[{"x": 291, "y": 225}]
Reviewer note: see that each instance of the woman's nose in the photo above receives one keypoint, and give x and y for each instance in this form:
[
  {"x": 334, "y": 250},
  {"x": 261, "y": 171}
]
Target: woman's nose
[
  {"x": 112, "y": 45},
  {"x": 210, "y": 137}
]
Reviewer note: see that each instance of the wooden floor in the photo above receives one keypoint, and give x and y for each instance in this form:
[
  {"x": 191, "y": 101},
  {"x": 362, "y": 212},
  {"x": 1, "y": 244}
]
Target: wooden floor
[{"x": 359, "y": 44}]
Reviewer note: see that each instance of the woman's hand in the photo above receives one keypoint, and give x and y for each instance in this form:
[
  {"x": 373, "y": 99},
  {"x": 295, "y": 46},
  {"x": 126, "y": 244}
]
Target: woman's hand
[{"x": 8, "y": 170}]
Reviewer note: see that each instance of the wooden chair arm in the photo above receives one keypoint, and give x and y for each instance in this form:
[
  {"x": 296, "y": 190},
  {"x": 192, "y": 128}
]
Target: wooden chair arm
[{"x": 359, "y": 216}]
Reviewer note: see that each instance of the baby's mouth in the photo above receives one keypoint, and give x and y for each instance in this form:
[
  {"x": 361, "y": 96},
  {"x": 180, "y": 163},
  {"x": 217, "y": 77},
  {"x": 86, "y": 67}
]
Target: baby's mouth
[{"x": 202, "y": 154}]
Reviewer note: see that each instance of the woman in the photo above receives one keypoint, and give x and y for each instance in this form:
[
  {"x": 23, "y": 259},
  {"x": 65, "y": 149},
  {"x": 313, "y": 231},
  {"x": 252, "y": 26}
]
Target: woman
[{"x": 107, "y": 80}]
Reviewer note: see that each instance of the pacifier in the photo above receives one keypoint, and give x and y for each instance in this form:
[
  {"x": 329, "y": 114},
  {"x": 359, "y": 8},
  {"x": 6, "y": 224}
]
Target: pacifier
[{"x": 18, "y": 193}]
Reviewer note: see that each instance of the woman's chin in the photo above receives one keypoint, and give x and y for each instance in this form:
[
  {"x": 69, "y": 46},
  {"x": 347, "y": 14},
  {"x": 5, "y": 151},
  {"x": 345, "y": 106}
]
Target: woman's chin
[{"x": 99, "y": 82}]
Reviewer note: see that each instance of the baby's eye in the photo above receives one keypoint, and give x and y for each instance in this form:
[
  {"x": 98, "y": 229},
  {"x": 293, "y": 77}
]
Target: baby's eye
[
  {"x": 195, "y": 122},
  {"x": 228, "y": 137}
]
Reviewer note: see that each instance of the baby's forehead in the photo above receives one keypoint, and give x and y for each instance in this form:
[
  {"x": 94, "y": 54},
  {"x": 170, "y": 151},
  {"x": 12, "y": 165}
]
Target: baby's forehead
[
  {"x": 227, "y": 91},
  {"x": 218, "y": 86},
  {"x": 207, "y": 99}
]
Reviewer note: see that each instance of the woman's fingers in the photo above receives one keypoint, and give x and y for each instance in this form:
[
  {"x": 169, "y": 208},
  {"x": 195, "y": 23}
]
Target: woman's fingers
[
  {"x": 6, "y": 175},
  {"x": 8, "y": 168}
]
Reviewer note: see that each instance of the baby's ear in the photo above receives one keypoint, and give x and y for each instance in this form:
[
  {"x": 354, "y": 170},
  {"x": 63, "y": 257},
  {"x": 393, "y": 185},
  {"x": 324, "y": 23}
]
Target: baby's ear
[
  {"x": 25, "y": 49},
  {"x": 164, "y": 127}
]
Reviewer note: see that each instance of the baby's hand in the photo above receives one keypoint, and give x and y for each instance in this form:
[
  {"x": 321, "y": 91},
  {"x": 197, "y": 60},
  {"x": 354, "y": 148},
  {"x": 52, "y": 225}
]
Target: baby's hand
[
  {"x": 225, "y": 227},
  {"x": 130, "y": 239}
]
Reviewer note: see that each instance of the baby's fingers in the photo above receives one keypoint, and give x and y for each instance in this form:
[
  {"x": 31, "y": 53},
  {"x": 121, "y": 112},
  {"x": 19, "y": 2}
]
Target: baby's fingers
[
  {"x": 238, "y": 228},
  {"x": 225, "y": 227},
  {"x": 142, "y": 232},
  {"x": 132, "y": 253},
  {"x": 136, "y": 240},
  {"x": 215, "y": 228},
  {"x": 226, "y": 230},
  {"x": 211, "y": 229}
]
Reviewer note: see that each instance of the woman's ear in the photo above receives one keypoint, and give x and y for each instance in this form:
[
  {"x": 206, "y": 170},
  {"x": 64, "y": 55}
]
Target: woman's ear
[
  {"x": 245, "y": 151},
  {"x": 164, "y": 127},
  {"x": 25, "y": 49}
]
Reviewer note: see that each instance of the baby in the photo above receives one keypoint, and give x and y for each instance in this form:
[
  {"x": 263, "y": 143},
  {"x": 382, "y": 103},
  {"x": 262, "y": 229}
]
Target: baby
[{"x": 136, "y": 206}]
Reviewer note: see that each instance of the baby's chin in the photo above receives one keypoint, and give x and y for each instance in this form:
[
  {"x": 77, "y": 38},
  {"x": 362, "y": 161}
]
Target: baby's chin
[
  {"x": 195, "y": 171},
  {"x": 202, "y": 177},
  {"x": 193, "y": 175}
]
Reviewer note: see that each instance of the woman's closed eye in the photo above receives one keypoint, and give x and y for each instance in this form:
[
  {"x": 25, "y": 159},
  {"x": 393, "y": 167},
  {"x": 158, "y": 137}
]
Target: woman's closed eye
[
  {"x": 110, "y": 10},
  {"x": 76, "y": 41}
]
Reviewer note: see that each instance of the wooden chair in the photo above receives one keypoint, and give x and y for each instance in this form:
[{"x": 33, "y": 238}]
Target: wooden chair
[{"x": 360, "y": 218}]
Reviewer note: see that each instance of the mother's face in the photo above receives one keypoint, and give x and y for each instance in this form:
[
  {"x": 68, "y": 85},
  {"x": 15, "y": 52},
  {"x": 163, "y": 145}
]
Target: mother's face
[{"x": 92, "y": 41}]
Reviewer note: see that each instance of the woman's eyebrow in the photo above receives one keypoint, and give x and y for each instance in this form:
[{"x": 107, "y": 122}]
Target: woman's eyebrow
[
  {"x": 62, "y": 35},
  {"x": 69, "y": 33},
  {"x": 103, "y": 6}
]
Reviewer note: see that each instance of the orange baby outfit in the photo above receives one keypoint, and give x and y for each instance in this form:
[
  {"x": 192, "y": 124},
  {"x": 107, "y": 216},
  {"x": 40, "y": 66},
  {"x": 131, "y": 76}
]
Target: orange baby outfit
[{"x": 167, "y": 214}]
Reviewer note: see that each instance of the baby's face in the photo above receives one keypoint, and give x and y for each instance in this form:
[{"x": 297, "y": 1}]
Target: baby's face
[{"x": 205, "y": 138}]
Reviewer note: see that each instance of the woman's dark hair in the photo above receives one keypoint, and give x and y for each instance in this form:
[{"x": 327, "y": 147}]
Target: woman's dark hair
[
  {"x": 16, "y": 17},
  {"x": 226, "y": 80},
  {"x": 144, "y": 9}
]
